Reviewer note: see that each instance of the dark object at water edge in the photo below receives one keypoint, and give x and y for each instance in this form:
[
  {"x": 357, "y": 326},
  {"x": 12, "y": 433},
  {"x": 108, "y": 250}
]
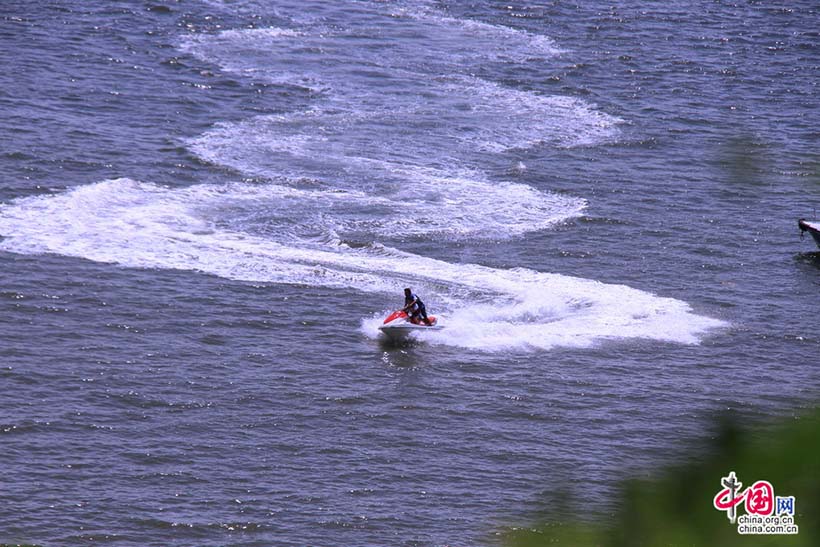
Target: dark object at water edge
[{"x": 812, "y": 227}]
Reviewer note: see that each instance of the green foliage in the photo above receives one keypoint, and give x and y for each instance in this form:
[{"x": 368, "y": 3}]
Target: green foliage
[{"x": 676, "y": 509}]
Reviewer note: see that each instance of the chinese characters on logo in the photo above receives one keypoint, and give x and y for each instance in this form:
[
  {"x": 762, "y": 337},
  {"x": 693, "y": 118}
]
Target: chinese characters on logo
[{"x": 765, "y": 512}]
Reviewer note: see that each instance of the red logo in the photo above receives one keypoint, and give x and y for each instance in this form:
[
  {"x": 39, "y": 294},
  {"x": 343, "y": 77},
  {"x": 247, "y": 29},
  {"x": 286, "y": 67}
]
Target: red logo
[{"x": 760, "y": 499}]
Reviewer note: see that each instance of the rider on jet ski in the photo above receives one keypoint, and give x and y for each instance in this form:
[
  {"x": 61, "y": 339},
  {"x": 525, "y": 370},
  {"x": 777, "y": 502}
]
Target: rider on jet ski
[{"x": 415, "y": 307}]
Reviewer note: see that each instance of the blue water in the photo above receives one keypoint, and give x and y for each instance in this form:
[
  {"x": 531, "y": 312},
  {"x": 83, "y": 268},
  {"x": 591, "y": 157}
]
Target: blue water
[{"x": 206, "y": 208}]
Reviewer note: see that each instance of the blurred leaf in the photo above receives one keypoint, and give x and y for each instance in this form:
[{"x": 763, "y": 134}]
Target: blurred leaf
[{"x": 676, "y": 509}]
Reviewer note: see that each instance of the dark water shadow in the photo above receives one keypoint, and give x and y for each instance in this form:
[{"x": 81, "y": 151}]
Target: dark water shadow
[
  {"x": 401, "y": 353},
  {"x": 809, "y": 260}
]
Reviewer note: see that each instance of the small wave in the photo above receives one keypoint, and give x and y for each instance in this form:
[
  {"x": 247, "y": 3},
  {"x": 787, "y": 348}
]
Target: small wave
[
  {"x": 510, "y": 43},
  {"x": 194, "y": 526},
  {"x": 25, "y": 426}
]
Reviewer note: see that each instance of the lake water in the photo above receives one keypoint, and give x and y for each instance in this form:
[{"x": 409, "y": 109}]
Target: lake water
[{"x": 207, "y": 208}]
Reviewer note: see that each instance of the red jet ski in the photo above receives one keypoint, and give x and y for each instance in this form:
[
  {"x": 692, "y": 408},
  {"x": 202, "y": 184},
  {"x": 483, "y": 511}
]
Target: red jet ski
[{"x": 398, "y": 325}]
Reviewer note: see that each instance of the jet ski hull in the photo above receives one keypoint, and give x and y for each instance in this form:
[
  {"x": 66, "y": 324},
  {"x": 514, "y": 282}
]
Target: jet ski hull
[{"x": 398, "y": 327}]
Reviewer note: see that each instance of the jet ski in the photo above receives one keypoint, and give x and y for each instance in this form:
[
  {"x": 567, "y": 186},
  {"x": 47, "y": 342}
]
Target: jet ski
[{"x": 398, "y": 326}]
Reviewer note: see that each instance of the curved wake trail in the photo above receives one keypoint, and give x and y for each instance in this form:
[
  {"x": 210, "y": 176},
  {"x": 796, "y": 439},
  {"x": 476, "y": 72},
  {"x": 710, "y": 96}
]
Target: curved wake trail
[
  {"x": 392, "y": 148},
  {"x": 137, "y": 224}
]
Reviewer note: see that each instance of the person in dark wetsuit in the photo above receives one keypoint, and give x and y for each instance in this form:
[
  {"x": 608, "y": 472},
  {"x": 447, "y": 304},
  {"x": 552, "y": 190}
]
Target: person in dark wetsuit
[{"x": 415, "y": 307}]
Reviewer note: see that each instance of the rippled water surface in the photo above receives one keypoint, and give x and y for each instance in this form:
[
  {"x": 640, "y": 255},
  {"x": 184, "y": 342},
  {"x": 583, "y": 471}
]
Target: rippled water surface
[{"x": 206, "y": 208}]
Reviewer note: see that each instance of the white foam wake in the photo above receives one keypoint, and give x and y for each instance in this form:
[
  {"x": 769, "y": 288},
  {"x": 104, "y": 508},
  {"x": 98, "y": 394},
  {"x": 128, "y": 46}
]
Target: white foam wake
[
  {"x": 393, "y": 149},
  {"x": 380, "y": 197},
  {"x": 404, "y": 129},
  {"x": 137, "y": 224}
]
